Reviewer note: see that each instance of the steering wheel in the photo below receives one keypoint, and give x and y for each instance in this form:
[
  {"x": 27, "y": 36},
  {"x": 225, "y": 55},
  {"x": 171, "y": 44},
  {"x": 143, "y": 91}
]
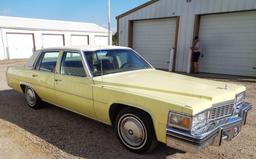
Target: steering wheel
[{"x": 125, "y": 65}]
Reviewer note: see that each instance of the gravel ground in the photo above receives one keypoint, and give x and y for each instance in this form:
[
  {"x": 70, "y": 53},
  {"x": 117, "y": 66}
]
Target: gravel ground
[{"x": 51, "y": 132}]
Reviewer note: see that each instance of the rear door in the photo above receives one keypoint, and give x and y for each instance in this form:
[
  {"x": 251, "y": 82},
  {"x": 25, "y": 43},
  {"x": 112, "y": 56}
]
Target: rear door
[
  {"x": 43, "y": 75},
  {"x": 73, "y": 87}
]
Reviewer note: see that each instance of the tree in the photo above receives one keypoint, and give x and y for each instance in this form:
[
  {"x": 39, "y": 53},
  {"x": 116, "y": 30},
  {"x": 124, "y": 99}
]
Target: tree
[{"x": 115, "y": 39}]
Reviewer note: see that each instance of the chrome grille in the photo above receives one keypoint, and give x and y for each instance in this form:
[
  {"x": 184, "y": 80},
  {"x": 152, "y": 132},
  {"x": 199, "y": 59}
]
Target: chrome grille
[{"x": 221, "y": 111}]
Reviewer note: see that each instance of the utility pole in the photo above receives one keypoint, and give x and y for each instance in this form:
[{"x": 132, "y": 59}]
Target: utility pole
[{"x": 109, "y": 32}]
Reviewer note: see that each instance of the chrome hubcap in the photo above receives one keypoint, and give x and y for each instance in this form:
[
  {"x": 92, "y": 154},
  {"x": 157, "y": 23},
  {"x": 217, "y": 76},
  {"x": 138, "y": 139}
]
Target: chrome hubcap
[
  {"x": 31, "y": 97},
  {"x": 132, "y": 131}
]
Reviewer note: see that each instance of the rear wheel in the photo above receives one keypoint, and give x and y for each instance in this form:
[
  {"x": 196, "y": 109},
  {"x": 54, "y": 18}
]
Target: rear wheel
[
  {"x": 135, "y": 130},
  {"x": 32, "y": 98}
]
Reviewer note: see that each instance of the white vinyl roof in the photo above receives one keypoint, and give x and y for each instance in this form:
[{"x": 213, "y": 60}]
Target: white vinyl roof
[
  {"x": 32, "y": 59},
  {"x": 43, "y": 24},
  {"x": 88, "y": 47}
]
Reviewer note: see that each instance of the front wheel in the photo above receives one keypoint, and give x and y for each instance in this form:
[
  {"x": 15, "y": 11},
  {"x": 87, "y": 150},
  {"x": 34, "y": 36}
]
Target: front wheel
[{"x": 135, "y": 130}]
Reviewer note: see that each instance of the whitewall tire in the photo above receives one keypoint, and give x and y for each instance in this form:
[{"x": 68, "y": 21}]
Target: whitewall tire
[
  {"x": 135, "y": 130},
  {"x": 31, "y": 97}
]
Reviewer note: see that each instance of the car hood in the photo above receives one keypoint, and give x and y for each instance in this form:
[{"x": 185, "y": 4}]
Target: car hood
[{"x": 172, "y": 87}]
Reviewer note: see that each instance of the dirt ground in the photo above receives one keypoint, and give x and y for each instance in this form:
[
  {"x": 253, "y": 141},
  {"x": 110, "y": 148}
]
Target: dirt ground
[{"x": 52, "y": 132}]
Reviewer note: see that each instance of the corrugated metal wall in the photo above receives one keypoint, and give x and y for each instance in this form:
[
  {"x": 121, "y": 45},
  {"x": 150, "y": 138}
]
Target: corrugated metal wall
[{"x": 187, "y": 12}]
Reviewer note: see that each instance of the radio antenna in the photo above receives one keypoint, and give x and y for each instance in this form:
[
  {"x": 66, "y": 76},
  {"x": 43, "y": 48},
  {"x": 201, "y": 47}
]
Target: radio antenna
[{"x": 109, "y": 32}]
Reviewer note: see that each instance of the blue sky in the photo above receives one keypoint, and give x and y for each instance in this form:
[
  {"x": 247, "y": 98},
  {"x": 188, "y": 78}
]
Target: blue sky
[{"x": 94, "y": 11}]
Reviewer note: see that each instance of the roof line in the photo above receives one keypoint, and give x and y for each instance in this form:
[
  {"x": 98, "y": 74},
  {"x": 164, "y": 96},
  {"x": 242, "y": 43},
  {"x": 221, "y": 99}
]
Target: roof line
[
  {"x": 42, "y": 29},
  {"x": 43, "y": 19},
  {"x": 136, "y": 8}
]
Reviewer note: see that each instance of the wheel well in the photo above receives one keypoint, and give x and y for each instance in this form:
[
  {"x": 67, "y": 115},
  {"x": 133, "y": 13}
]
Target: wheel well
[
  {"x": 23, "y": 86},
  {"x": 116, "y": 108}
]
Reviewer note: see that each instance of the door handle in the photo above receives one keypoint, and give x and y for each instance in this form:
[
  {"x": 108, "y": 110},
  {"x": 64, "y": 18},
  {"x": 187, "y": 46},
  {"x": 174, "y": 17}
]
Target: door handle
[
  {"x": 57, "y": 80},
  {"x": 34, "y": 75}
]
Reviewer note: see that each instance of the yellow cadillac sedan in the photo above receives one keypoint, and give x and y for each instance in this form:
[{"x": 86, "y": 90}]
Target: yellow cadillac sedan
[{"x": 118, "y": 87}]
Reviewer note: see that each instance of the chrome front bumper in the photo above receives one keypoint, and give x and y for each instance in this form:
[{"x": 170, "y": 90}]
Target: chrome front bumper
[{"x": 228, "y": 129}]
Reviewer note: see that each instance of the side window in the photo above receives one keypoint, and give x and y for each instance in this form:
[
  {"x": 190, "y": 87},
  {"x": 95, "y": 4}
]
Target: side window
[
  {"x": 72, "y": 65},
  {"x": 48, "y": 61}
]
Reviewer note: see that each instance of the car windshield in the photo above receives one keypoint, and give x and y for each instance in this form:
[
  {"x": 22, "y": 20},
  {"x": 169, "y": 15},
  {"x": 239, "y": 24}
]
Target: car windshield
[{"x": 103, "y": 62}]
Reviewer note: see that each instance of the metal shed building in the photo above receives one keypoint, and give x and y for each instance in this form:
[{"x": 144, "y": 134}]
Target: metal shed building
[
  {"x": 19, "y": 37},
  {"x": 226, "y": 28}
]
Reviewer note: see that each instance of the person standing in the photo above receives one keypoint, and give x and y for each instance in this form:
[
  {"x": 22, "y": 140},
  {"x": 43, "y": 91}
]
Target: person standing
[{"x": 196, "y": 51}]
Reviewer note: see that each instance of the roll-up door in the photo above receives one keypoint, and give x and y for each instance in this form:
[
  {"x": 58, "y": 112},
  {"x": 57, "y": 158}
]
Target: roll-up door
[
  {"x": 101, "y": 40},
  {"x": 20, "y": 45},
  {"x": 2, "y": 52},
  {"x": 79, "y": 40},
  {"x": 229, "y": 43},
  {"x": 153, "y": 39},
  {"x": 52, "y": 40}
]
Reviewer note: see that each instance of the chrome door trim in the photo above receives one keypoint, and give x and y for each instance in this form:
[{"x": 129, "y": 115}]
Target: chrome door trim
[{"x": 86, "y": 66}]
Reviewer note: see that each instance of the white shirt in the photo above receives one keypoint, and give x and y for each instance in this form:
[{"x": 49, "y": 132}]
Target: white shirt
[{"x": 198, "y": 47}]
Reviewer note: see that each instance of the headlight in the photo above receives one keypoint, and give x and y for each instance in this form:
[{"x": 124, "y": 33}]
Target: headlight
[
  {"x": 179, "y": 121},
  {"x": 187, "y": 122},
  {"x": 199, "y": 121},
  {"x": 240, "y": 98}
]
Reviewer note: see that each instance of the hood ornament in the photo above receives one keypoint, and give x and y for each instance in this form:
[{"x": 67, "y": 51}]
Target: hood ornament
[{"x": 225, "y": 87}]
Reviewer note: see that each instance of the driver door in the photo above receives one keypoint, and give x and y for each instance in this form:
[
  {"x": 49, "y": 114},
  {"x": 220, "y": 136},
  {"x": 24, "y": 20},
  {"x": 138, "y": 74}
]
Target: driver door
[{"x": 73, "y": 86}]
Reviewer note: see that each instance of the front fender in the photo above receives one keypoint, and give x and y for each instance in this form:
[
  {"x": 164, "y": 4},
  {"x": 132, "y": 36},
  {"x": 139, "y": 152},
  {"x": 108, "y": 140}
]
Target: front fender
[{"x": 105, "y": 96}]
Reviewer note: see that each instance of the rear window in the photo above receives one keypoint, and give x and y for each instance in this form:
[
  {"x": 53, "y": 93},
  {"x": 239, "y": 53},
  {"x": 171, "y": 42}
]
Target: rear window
[{"x": 48, "y": 61}]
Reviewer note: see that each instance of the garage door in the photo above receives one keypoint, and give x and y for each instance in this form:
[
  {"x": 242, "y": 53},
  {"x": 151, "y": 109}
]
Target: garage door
[
  {"x": 101, "y": 40},
  {"x": 1, "y": 48},
  {"x": 53, "y": 40},
  {"x": 20, "y": 45},
  {"x": 229, "y": 43},
  {"x": 79, "y": 40},
  {"x": 153, "y": 39}
]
